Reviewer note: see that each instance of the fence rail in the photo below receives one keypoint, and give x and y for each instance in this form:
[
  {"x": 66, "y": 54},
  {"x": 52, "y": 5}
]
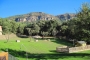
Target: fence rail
[{"x": 11, "y": 57}]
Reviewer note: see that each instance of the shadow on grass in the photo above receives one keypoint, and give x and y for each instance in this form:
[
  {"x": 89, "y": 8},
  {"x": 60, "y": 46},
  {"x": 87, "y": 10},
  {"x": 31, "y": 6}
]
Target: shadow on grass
[
  {"x": 22, "y": 36},
  {"x": 62, "y": 41},
  {"x": 58, "y": 41},
  {"x": 22, "y": 54},
  {"x": 44, "y": 38}
]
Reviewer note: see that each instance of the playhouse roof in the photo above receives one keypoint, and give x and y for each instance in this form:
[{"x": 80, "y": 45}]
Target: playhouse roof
[{"x": 81, "y": 42}]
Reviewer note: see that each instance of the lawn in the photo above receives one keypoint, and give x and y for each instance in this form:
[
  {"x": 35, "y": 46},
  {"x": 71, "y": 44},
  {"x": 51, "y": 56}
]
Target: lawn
[
  {"x": 41, "y": 50},
  {"x": 42, "y": 46}
]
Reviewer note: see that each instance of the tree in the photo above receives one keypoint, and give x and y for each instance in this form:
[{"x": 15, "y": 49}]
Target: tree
[
  {"x": 64, "y": 31},
  {"x": 14, "y": 26},
  {"x": 44, "y": 34},
  {"x": 54, "y": 32},
  {"x": 29, "y": 32},
  {"x": 83, "y": 23},
  {"x": 34, "y": 28},
  {"x": 6, "y": 27},
  {"x": 20, "y": 28},
  {"x": 79, "y": 27}
]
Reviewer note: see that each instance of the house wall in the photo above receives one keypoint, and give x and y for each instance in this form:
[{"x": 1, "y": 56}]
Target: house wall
[{"x": 0, "y": 30}]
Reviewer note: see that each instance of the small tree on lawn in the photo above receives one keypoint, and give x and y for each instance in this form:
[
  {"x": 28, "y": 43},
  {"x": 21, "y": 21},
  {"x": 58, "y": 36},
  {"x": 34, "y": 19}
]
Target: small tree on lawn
[{"x": 6, "y": 26}]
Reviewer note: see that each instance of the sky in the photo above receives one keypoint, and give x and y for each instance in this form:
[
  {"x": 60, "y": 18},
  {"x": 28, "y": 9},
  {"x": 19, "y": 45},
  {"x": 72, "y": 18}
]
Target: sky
[{"x": 54, "y": 7}]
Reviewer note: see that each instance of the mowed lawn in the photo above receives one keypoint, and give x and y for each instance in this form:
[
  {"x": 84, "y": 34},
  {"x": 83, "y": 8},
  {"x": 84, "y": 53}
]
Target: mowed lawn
[
  {"x": 42, "y": 46},
  {"x": 41, "y": 50}
]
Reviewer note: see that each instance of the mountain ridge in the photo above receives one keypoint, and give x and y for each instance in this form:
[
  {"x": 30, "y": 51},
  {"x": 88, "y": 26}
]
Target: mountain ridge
[{"x": 34, "y": 16}]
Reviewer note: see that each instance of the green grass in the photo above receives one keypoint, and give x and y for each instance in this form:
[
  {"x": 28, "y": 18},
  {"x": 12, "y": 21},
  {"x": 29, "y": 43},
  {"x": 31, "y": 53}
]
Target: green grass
[
  {"x": 41, "y": 46},
  {"x": 41, "y": 50}
]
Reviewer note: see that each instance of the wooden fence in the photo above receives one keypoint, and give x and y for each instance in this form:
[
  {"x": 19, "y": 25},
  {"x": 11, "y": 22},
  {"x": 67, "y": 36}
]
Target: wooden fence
[
  {"x": 11, "y": 57},
  {"x": 72, "y": 49}
]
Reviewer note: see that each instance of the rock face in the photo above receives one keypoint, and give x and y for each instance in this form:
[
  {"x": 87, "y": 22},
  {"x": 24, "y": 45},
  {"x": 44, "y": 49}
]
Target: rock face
[
  {"x": 66, "y": 16},
  {"x": 33, "y": 17},
  {"x": 40, "y": 16}
]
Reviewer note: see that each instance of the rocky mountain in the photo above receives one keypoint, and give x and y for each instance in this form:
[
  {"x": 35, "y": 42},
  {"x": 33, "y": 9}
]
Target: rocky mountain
[
  {"x": 66, "y": 16},
  {"x": 33, "y": 17},
  {"x": 40, "y": 16}
]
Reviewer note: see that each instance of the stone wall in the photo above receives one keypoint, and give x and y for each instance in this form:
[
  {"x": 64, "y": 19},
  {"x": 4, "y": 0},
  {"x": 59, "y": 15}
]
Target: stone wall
[
  {"x": 77, "y": 49},
  {"x": 62, "y": 49},
  {"x": 72, "y": 49}
]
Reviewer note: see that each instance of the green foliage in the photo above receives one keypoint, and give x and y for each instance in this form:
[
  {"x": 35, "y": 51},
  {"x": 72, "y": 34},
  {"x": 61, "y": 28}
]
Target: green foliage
[
  {"x": 83, "y": 16},
  {"x": 10, "y": 26},
  {"x": 78, "y": 28},
  {"x": 44, "y": 33},
  {"x": 64, "y": 27},
  {"x": 42, "y": 26},
  {"x": 54, "y": 32},
  {"x": 29, "y": 31},
  {"x": 21, "y": 27},
  {"x": 14, "y": 26},
  {"x": 32, "y": 28}
]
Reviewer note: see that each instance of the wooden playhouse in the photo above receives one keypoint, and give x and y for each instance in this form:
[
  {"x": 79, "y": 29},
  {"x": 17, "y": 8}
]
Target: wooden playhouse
[
  {"x": 4, "y": 56},
  {"x": 80, "y": 43}
]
